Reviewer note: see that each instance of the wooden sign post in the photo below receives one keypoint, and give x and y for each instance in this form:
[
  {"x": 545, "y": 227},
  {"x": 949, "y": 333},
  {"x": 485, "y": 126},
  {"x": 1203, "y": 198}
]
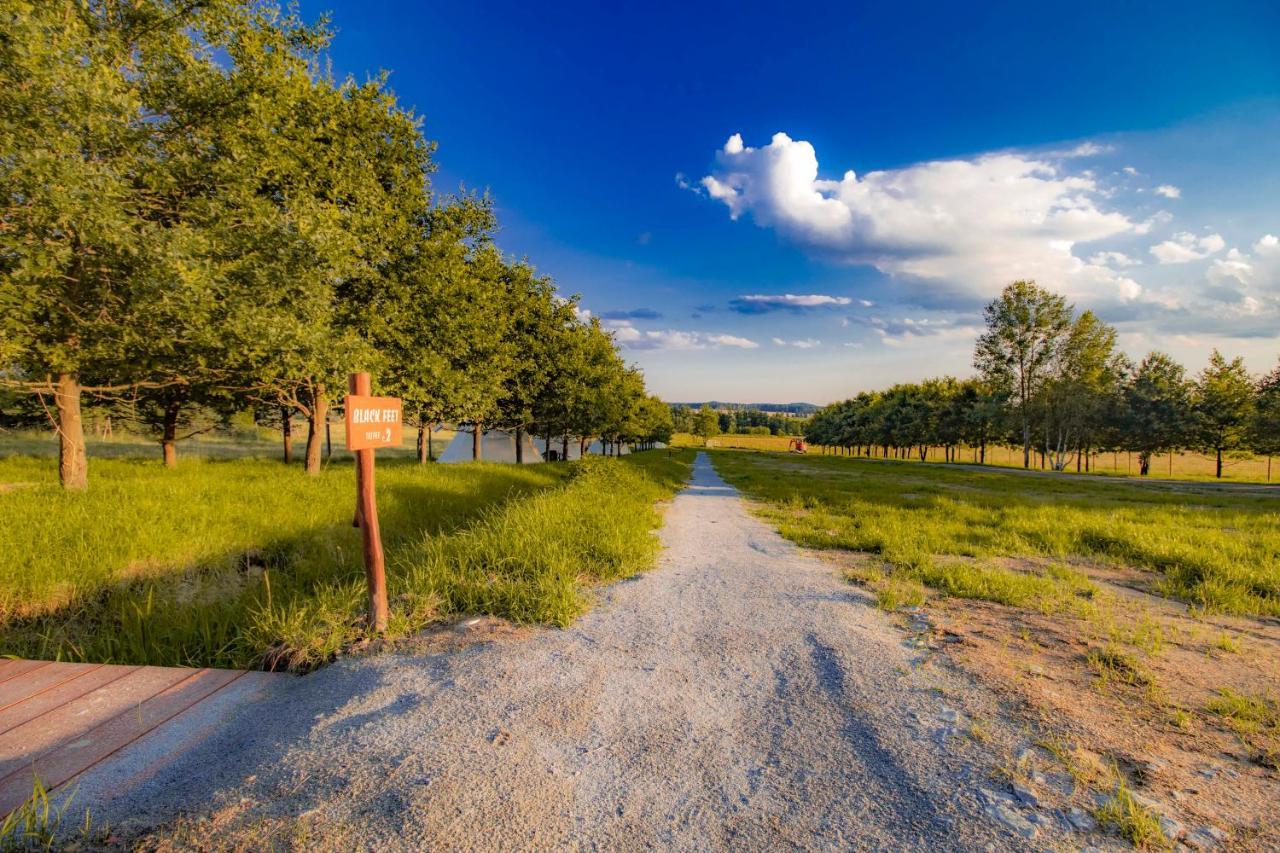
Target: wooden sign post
[{"x": 372, "y": 422}]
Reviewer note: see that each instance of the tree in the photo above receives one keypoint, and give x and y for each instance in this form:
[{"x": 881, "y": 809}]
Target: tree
[
  {"x": 1223, "y": 406},
  {"x": 1264, "y": 427},
  {"x": 706, "y": 424},
  {"x": 1082, "y": 375},
  {"x": 1025, "y": 326},
  {"x": 1157, "y": 410},
  {"x": 80, "y": 224}
]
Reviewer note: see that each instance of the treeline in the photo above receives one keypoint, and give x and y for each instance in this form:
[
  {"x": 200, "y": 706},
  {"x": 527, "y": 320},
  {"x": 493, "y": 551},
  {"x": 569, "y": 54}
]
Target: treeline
[
  {"x": 198, "y": 217},
  {"x": 741, "y": 421},
  {"x": 1053, "y": 382}
]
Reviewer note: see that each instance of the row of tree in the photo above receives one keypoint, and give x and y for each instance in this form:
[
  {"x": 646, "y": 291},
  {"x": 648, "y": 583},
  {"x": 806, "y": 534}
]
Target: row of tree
[
  {"x": 1053, "y": 382},
  {"x": 740, "y": 421},
  {"x": 195, "y": 214}
]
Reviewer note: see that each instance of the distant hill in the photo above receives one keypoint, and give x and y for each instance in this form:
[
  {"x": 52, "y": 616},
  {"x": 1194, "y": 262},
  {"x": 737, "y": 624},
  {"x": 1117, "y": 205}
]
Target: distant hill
[{"x": 800, "y": 409}]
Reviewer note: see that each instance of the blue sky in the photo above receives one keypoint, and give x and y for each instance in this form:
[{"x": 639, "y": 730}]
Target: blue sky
[{"x": 1127, "y": 157}]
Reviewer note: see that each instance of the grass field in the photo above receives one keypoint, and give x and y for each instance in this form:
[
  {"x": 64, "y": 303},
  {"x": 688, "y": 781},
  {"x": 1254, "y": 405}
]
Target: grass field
[
  {"x": 1182, "y": 466},
  {"x": 243, "y": 562},
  {"x": 255, "y": 444},
  {"x": 1217, "y": 549}
]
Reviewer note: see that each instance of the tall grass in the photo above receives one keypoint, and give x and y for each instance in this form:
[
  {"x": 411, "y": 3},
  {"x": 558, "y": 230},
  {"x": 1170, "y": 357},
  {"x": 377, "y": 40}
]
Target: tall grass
[
  {"x": 246, "y": 563},
  {"x": 1215, "y": 549}
]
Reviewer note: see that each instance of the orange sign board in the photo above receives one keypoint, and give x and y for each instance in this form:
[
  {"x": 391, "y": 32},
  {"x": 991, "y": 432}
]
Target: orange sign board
[{"x": 374, "y": 422}]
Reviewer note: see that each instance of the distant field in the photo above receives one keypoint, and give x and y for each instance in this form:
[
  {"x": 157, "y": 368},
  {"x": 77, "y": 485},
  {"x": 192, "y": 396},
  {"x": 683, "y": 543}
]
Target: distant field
[
  {"x": 242, "y": 562},
  {"x": 1186, "y": 466},
  {"x": 265, "y": 444},
  {"x": 1213, "y": 548}
]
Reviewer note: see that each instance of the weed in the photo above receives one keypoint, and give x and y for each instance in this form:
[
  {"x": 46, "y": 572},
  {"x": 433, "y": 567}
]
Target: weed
[
  {"x": 37, "y": 824},
  {"x": 1133, "y": 821},
  {"x": 1227, "y": 643},
  {"x": 1113, "y": 664}
]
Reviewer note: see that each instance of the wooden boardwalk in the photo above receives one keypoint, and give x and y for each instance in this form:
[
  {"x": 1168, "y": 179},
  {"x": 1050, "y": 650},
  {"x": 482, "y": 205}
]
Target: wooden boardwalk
[{"x": 58, "y": 720}]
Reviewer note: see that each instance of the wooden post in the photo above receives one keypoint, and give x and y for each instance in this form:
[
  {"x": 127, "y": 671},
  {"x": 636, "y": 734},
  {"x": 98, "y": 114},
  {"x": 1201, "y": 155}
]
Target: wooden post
[{"x": 367, "y": 518}]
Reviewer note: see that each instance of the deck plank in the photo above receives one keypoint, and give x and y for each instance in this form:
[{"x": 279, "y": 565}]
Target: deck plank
[
  {"x": 24, "y": 743},
  {"x": 19, "y": 668},
  {"x": 56, "y": 697},
  {"x": 32, "y": 683},
  {"x": 75, "y": 755}
]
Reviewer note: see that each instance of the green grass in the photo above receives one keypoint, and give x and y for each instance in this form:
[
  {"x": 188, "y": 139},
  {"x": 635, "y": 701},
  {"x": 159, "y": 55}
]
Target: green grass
[
  {"x": 1133, "y": 821},
  {"x": 1255, "y": 718},
  {"x": 248, "y": 563},
  {"x": 948, "y": 527},
  {"x": 38, "y": 824}
]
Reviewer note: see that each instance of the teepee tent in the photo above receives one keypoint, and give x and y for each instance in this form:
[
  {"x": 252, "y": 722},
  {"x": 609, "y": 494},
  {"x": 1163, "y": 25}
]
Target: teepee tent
[{"x": 495, "y": 446}]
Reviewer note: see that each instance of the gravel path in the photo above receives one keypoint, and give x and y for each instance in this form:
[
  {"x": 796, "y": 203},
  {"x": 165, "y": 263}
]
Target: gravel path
[{"x": 739, "y": 695}]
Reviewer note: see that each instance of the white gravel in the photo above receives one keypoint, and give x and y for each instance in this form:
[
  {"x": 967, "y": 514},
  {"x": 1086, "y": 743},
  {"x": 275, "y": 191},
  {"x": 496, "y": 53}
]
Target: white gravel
[{"x": 740, "y": 695}]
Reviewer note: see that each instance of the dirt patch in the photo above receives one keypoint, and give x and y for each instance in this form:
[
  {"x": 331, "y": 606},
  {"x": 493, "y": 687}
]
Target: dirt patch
[{"x": 1133, "y": 690}]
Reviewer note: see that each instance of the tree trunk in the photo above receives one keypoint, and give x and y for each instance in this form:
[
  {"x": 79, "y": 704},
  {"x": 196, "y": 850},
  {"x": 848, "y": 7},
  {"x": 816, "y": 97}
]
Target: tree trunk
[
  {"x": 1026, "y": 443},
  {"x": 519, "y": 446},
  {"x": 286, "y": 433},
  {"x": 328, "y": 436},
  {"x": 422, "y": 442},
  {"x": 431, "y": 451},
  {"x": 477, "y": 435},
  {"x": 169, "y": 439},
  {"x": 315, "y": 428},
  {"x": 564, "y": 448},
  {"x": 1219, "y": 475},
  {"x": 1144, "y": 464},
  {"x": 73, "y": 466}
]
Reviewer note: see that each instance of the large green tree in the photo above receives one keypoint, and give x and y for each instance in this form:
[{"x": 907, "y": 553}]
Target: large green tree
[
  {"x": 1223, "y": 406},
  {"x": 1264, "y": 426},
  {"x": 83, "y": 248},
  {"x": 1157, "y": 411},
  {"x": 1026, "y": 325}
]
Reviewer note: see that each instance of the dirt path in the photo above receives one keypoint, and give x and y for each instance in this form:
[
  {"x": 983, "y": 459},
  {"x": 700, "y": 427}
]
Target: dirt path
[{"x": 740, "y": 695}]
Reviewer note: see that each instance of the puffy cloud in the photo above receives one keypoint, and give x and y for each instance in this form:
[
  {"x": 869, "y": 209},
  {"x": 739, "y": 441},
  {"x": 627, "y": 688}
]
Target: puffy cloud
[
  {"x": 1117, "y": 260},
  {"x": 1186, "y": 246},
  {"x": 1259, "y": 271},
  {"x": 1168, "y": 191},
  {"x": 965, "y": 227},
  {"x": 732, "y": 341},
  {"x": 630, "y": 337},
  {"x": 761, "y": 303}
]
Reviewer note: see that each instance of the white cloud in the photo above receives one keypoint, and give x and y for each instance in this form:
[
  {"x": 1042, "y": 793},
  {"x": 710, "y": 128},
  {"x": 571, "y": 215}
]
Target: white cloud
[
  {"x": 966, "y": 226},
  {"x": 760, "y": 303},
  {"x": 1168, "y": 191},
  {"x": 1129, "y": 170},
  {"x": 1186, "y": 246},
  {"x": 1259, "y": 271},
  {"x": 803, "y": 343},
  {"x": 1117, "y": 260},
  {"x": 630, "y": 337},
  {"x": 732, "y": 341}
]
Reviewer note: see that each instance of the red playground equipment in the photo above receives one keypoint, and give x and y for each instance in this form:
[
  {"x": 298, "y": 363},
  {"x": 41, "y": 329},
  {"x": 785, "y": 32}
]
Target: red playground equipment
[{"x": 796, "y": 445}]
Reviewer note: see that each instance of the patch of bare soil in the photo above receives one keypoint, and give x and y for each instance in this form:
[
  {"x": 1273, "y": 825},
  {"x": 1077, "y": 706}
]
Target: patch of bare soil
[{"x": 1127, "y": 691}]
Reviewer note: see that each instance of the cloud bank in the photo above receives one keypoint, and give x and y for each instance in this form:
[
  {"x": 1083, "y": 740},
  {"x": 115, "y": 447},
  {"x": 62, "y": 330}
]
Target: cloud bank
[{"x": 959, "y": 227}]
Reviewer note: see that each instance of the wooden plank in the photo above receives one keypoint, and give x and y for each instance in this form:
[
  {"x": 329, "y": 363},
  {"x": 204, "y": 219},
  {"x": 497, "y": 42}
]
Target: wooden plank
[
  {"x": 17, "y": 668},
  {"x": 79, "y": 754},
  {"x": 32, "y": 683},
  {"x": 56, "y": 697},
  {"x": 23, "y": 744}
]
